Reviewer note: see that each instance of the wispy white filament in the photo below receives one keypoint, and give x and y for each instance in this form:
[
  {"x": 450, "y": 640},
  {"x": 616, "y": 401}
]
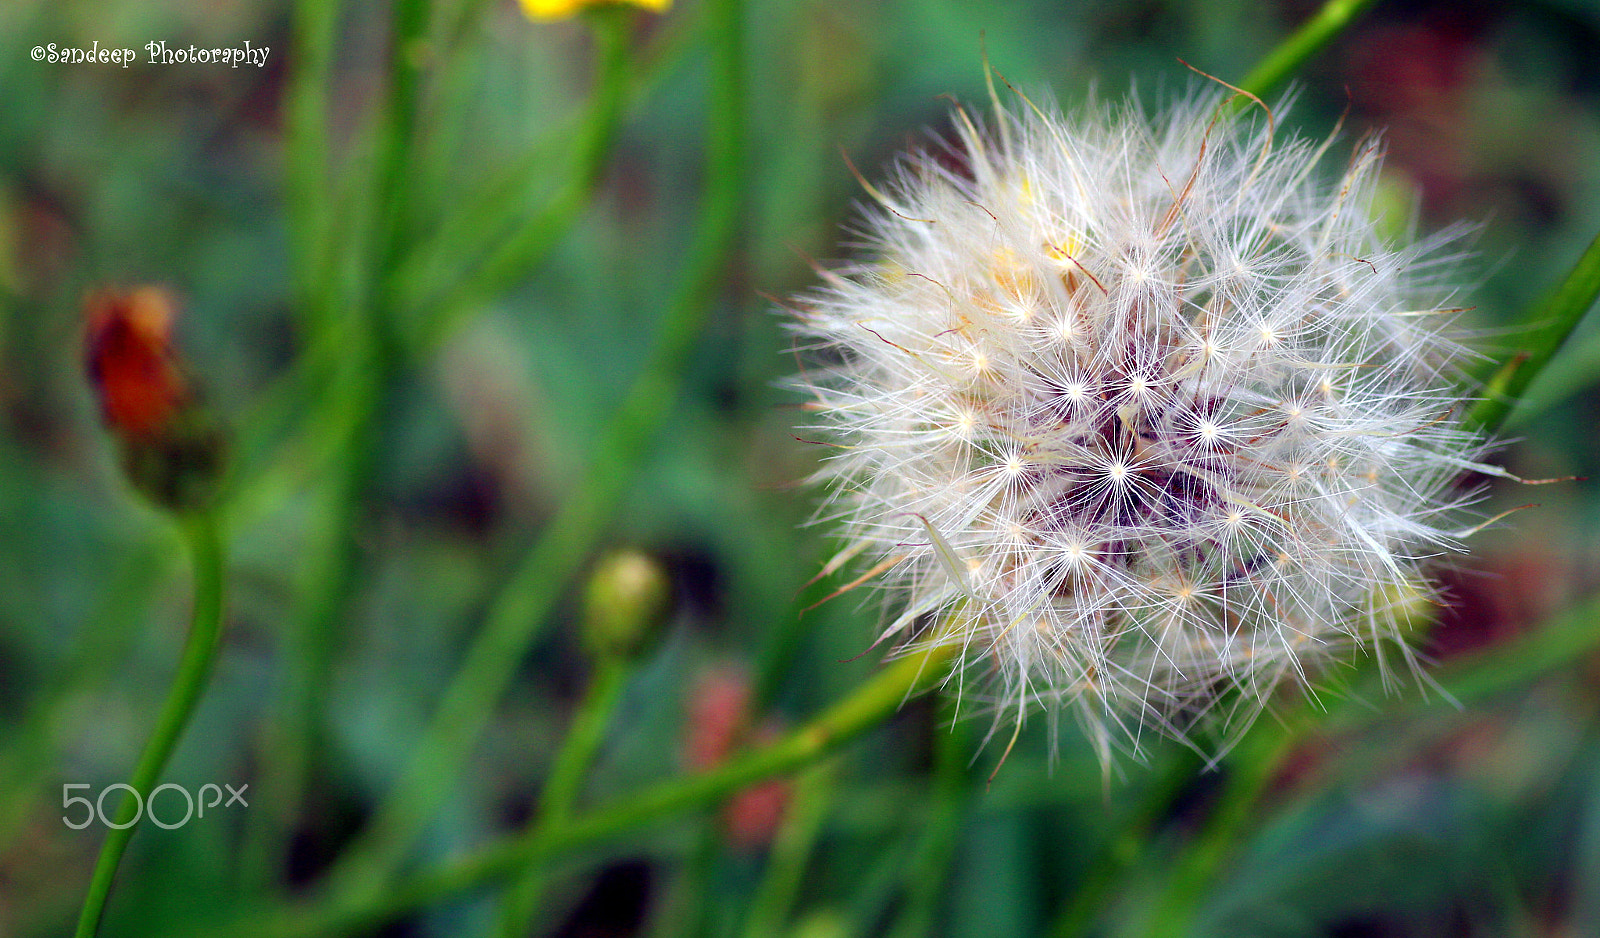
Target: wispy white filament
[{"x": 1143, "y": 413}]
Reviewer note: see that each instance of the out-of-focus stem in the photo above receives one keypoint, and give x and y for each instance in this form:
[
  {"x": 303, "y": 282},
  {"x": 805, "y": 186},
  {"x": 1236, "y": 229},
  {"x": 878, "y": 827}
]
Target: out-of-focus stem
[
  {"x": 369, "y": 368},
  {"x": 869, "y": 705},
  {"x": 1312, "y": 37},
  {"x": 194, "y": 671},
  {"x": 1548, "y": 324},
  {"x": 929, "y": 871},
  {"x": 791, "y": 850},
  {"x": 567, "y": 775},
  {"x": 1125, "y": 848},
  {"x": 1255, "y": 764},
  {"x": 307, "y": 152},
  {"x": 534, "y": 238},
  {"x": 523, "y": 606}
]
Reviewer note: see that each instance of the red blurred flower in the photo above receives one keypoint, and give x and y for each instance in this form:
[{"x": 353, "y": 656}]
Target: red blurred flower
[
  {"x": 130, "y": 360},
  {"x": 171, "y": 448},
  {"x": 719, "y": 723}
]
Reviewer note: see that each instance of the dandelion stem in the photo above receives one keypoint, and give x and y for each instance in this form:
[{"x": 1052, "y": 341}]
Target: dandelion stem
[
  {"x": 1124, "y": 849},
  {"x": 1257, "y": 762},
  {"x": 773, "y": 665},
  {"x": 194, "y": 671},
  {"x": 1316, "y": 33}
]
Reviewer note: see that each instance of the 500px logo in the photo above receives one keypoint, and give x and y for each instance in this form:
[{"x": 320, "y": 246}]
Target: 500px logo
[{"x": 193, "y": 806}]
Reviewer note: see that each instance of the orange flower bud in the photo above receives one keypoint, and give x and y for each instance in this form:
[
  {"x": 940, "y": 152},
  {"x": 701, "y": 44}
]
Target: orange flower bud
[
  {"x": 130, "y": 360},
  {"x": 171, "y": 449}
]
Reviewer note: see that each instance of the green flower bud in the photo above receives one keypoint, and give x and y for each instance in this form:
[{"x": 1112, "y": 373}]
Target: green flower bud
[{"x": 626, "y": 601}]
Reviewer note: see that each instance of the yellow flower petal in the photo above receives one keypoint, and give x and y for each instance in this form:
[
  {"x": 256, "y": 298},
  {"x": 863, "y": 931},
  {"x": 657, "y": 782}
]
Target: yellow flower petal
[{"x": 544, "y": 10}]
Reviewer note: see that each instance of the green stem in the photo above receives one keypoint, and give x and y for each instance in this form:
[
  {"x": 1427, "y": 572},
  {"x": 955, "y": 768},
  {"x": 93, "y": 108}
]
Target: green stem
[
  {"x": 194, "y": 670},
  {"x": 1126, "y": 848},
  {"x": 1549, "y": 325},
  {"x": 1255, "y": 764},
  {"x": 870, "y": 704},
  {"x": 306, "y": 157},
  {"x": 689, "y": 893},
  {"x": 773, "y": 902},
  {"x": 524, "y": 604},
  {"x": 370, "y": 365},
  {"x": 1333, "y": 18},
  {"x": 683, "y": 911},
  {"x": 512, "y": 257},
  {"x": 28, "y": 754},
  {"x": 929, "y": 869},
  {"x": 566, "y": 780},
  {"x": 296, "y": 743},
  {"x": 474, "y": 236}
]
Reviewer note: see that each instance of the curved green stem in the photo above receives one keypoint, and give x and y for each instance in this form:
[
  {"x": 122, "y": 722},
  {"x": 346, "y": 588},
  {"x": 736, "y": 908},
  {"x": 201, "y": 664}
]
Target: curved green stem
[
  {"x": 525, "y": 603},
  {"x": 566, "y": 780},
  {"x": 194, "y": 670}
]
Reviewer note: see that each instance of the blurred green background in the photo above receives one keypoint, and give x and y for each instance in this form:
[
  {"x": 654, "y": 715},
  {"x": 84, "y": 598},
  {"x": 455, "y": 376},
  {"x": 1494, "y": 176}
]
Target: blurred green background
[{"x": 1406, "y": 817}]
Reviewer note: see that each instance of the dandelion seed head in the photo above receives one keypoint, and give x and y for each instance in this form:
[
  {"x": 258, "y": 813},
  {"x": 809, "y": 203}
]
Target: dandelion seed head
[{"x": 1143, "y": 407}]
